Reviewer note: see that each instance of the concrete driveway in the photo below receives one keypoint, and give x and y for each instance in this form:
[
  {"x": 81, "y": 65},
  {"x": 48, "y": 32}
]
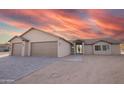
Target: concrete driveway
[
  {"x": 71, "y": 69},
  {"x": 14, "y": 68},
  {"x": 84, "y": 69}
]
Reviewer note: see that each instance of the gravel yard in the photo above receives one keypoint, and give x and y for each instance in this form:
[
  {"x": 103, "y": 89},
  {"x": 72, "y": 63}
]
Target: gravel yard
[
  {"x": 13, "y": 68},
  {"x": 80, "y": 69}
]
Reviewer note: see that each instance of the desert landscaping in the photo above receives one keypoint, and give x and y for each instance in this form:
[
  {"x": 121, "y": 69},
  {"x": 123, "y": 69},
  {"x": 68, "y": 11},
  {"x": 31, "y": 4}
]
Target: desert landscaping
[{"x": 80, "y": 69}]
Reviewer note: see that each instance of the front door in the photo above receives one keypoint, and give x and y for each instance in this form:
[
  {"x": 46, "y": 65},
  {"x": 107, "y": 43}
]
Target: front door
[{"x": 79, "y": 49}]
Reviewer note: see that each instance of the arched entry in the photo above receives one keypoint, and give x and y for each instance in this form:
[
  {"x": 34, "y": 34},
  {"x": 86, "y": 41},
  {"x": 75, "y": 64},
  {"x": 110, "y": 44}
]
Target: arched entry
[{"x": 78, "y": 47}]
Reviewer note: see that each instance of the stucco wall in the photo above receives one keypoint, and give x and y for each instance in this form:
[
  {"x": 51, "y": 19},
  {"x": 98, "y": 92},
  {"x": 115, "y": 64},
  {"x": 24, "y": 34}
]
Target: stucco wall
[
  {"x": 10, "y": 49},
  {"x": 16, "y": 40},
  {"x": 88, "y": 49},
  {"x": 39, "y": 36},
  {"x": 115, "y": 49},
  {"x": 26, "y": 48},
  {"x": 64, "y": 48}
]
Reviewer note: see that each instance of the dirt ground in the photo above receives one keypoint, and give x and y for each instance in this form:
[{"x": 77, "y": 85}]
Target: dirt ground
[{"x": 88, "y": 69}]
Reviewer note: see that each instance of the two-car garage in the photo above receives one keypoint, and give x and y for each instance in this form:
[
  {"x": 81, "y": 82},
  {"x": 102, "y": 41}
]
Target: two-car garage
[{"x": 44, "y": 49}]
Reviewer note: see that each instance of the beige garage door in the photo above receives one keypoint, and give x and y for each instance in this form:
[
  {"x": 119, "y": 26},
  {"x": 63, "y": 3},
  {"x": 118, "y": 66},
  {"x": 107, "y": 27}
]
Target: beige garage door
[
  {"x": 44, "y": 49},
  {"x": 17, "y": 49}
]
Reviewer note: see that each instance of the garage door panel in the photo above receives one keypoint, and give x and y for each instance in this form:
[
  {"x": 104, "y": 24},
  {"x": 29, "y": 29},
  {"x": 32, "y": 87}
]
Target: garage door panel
[
  {"x": 44, "y": 49},
  {"x": 17, "y": 49}
]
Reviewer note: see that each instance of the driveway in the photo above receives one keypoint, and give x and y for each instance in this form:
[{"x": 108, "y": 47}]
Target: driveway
[
  {"x": 93, "y": 69},
  {"x": 14, "y": 68},
  {"x": 70, "y": 69}
]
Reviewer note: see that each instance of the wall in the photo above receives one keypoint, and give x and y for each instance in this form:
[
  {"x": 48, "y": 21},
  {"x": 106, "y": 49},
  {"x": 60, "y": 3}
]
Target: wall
[
  {"x": 64, "y": 48},
  {"x": 16, "y": 40},
  {"x": 88, "y": 49},
  {"x": 39, "y": 36},
  {"x": 26, "y": 49},
  {"x": 115, "y": 49}
]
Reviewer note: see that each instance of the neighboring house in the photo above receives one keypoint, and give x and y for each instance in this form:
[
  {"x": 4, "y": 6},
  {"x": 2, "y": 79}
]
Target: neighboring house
[
  {"x": 35, "y": 42},
  {"x": 4, "y": 47}
]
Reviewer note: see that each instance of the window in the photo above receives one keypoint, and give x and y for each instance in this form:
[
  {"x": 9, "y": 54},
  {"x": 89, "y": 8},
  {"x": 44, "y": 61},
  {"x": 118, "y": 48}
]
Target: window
[
  {"x": 98, "y": 48},
  {"x": 105, "y": 47}
]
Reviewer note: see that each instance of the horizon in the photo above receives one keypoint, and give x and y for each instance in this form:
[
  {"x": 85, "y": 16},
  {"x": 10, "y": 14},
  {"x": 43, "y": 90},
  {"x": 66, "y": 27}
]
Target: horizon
[{"x": 68, "y": 23}]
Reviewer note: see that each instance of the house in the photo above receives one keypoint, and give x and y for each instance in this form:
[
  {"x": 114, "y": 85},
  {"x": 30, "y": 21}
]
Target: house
[
  {"x": 35, "y": 42},
  {"x": 104, "y": 46},
  {"x": 4, "y": 47}
]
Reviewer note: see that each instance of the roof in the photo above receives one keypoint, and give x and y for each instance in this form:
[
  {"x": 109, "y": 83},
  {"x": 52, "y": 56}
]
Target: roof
[
  {"x": 46, "y": 33},
  {"x": 87, "y": 41},
  {"x": 108, "y": 40},
  {"x": 93, "y": 41},
  {"x": 32, "y": 28},
  {"x": 22, "y": 38}
]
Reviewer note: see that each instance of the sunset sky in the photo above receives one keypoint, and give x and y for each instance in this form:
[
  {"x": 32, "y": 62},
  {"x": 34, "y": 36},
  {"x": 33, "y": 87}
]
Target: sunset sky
[{"x": 70, "y": 24}]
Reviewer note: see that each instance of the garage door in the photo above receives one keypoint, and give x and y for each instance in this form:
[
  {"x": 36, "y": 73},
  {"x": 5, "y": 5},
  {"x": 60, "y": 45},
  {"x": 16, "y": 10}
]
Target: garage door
[
  {"x": 44, "y": 49},
  {"x": 17, "y": 49}
]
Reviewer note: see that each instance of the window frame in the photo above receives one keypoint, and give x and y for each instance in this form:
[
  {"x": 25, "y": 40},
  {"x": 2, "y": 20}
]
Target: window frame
[
  {"x": 98, "y": 49},
  {"x": 105, "y": 47}
]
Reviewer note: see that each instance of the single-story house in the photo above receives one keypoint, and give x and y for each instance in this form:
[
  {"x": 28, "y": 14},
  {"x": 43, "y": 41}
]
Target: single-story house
[
  {"x": 4, "y": 47},
  {"x": 35, "y": 42},
  {"x": 104, "y": 46}
]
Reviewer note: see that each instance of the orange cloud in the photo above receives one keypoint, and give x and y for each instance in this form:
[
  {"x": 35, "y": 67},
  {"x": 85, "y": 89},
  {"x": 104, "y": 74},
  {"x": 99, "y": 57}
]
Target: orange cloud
[{"x": 67, "y": 24}]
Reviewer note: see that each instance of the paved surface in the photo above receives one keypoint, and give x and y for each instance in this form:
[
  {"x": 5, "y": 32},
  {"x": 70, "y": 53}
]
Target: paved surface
[
  {"x": 13, "y": 68},
  {"x": 70, "y": 69},
  {"x": 77, "y": 69}
]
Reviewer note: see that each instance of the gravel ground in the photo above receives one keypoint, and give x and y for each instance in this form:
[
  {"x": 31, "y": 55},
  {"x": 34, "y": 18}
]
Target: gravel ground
[
  {"x": 13, "y": 68},
  {"x": 79, "y": 69}
]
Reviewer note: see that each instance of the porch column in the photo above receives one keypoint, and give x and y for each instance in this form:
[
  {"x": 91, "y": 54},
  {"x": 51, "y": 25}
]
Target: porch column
[
  {"x": 74, "y": 48},
  {"x": 83, "y": 47}
]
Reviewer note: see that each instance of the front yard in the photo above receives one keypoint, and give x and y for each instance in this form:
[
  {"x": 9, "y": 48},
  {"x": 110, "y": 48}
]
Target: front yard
[{"x": 80, "y": 69}]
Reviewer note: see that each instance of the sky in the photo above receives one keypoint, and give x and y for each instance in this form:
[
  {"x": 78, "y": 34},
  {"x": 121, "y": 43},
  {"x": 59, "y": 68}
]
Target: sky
[{"x": 67, "y": 23}]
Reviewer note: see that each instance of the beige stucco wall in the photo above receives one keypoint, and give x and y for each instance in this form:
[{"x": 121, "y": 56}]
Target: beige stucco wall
[
  {"x": 16, "y": 40},
  {"x": 115, "y": 49},
  {"x": 24, "y": 46},
  {"x": 10, "y": 49},
  {"x": 64, "y": 48},
  {"x": 26, "y": 49},
  {"x": 88, "y": 49},
  {"x": 39, "y": 36}
]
